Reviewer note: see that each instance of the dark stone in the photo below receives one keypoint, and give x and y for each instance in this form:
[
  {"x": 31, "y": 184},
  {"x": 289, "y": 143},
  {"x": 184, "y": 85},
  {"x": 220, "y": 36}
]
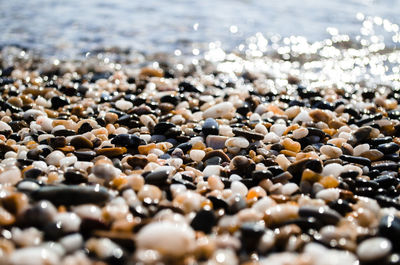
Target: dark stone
[
  {"x": 174, "y": 100},
  {"x": 72, "y": 194},
  {"x": 218, "y": 153},
  {"x": 385, "y": 181},
  {"x": 341, "y": 206},
  {"x": 385, "y": 166},
  {"x": 238, "y": 204},
  {"x": 215, "y": 160},
  {"x": 356, "y": 159},
  {"x": 85, "y": 155},
  {"x": 389, "y": 227},
  {"x": 57, "y": 142},
  {"x": 349, "y": 174},
  {"x": 388, "y": 148},
  {"x": 85, "y": 127},
  {"x": 326, "y": 216},
  {"x": 282, "y": 178},
  {"x": 57, "y": 102},
  {"x": 187, "y": 87},
  {"x": 378, "y": 141},
  {"x": 259, "y": 175},
  {"x": 128, "y": 140},
  {"x": 204, "y": 221},
  {"x": 74, "y": 176},
  {"x": 137, "y": 161},
  {"x": 249, "y": 135},
  {"x": 163, "y": 127},
  {"x": 80, "y": 141},
  {"x": 251, "y": 234},
  {"x": 210, "y": 126},
  {"x": 362, "y": 133},
  {"x": 64, "y": 132},
  {"x": 305, "y": 223},
  {"x": 218, "y": 203},
  {"x": 38, "y": 215},
  {"x": 53, "y": 231},
  {"x": 32, "y": 173},
  {"x": 157, "y": 178}
]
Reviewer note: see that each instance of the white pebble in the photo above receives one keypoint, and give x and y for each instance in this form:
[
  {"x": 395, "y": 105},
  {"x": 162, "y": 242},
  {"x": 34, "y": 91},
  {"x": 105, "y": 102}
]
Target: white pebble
[
  {"x": 271, "y": 138},
  {"x": 168, "y": 238},
  {"x": 289, "y": 188},
  {"x": 34, "y": 256},
  {"x": 221, "y": 110},
  {"x": 68, "y": 161},
  {"x": 123, "y": 104},
  {"x": 374, "y": 248},
  {"x": 239, "y": 142},
  {"x": 4, "y": 127},
  {"x": 328, "y": 194},
  {"x": 264, "y": 204},
  {"x": 89, "y": 211},
  {"x": 239, "y": 188},
  {"x": 72, "y": 242},
  {"x": 300, "y": 133},
  {"x": 278, "y": 129},
  {"x": 333, "y": 169},
  {"x": 54, "y": 158},
  {"x": 212, "y": 170},
  {"x": 11, "y": 176},
  {"x": 303, "y": 116},
  {"x": 197, "y": 155},
  {"x": 70, "y": 222},
  {"x": 359, "y": 149},
  {"x": 331, "y": 151}
]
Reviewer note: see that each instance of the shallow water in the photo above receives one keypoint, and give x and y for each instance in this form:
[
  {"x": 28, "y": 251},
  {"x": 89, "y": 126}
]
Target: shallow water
[{"x": 67, "y": 28}]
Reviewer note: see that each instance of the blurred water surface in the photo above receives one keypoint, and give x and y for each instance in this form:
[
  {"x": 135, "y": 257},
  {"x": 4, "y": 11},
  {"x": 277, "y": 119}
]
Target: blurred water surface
[{"x": 76, "y": 26}]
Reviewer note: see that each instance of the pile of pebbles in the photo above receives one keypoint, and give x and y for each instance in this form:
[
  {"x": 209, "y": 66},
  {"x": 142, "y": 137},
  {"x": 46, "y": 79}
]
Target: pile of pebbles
[{"x": 148, "y": 165}]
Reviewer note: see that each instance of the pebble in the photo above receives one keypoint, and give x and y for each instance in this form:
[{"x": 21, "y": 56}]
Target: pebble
[
  {"x": 374, "y": 249},
  {"x": 331, "y": 151},
  {"x": 11, "y": 176},
  {"x": 221, "y": 110},
  {"x": 239, "y": 142},
  {"x": 210, "y": 126},
  {"x": 54, "y": 158},
  {"x": 197, "y": 155},
  {"x": 72, "y": 195},
  {"x": 168, "y": 238},
  {"x": 300, "y": 133}
]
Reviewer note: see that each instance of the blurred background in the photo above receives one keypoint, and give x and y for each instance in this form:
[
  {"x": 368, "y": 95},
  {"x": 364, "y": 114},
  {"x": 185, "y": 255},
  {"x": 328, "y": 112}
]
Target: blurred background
[{"x": 78, "y": 26}]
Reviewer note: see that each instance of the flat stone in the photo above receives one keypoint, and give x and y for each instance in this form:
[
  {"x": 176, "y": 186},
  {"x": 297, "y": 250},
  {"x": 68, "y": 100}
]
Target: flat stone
[
  {"x": 325, "y": 215},
  {"x": 111, "y": 151},
  {"x": 80, "y": 142},
  {"x": 249, "y": 135},
  {"x": 72, "y": 194}
]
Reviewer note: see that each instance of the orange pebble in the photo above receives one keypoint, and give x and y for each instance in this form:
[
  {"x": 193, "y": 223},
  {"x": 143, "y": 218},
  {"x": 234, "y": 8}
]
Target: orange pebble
[
  {"x": 291, "y": 145},
  {"x": 311, "y": 176},
  {"x": 255, "y": 193},
  {"x": 329, "y": 182}
]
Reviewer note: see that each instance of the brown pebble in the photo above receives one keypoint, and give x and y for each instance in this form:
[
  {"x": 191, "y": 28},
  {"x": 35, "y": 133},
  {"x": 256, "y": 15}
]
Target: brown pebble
[
  {"x": 80, "y": 142},
  {"x": 111, "y": 151},
  {"x": 218, "y": 153},
  {"x": 372, "y": 154},
  {"x": 145, "y": 149},
  {"x": 319, "y": 115},
  {"x": 137, "y": 161}
]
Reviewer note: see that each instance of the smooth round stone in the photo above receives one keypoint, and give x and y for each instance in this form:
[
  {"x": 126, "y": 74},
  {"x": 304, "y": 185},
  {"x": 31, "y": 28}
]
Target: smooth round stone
[
  {"x": 127, "y": 140},
  {"x": 389, "y": 227},
  {"x": 210, "y": 126},
  {"x": 112, "y": 151},
  {"x": 333, "y": 169},
  {"x": 271, "y": 137},
  {"x": 69, "y": 222},
  {"x": 300, "y": 133},
  {"x": 170, "y": 239},
  {"x": 328, "y": 194},
  {"x": 54, "y": 158},
  {"x": 216, "y": 141},
  {"x": 123, "y": 104},
  {"x": 323, "y": 214},
  {"x": 289, "y": 188},
  {"x": 204, "y": 221},
  {"x": 359, "y": 149},
  {"x": 11, "y": 176},
  {"x": 249, "y": 135},
  {"x": 239, "y": 188},
  {"x": 162, "y": 128},
  {"x": 278, "y": 129},
  {"x": 303, "y": 116},
  {"x": 137, "y": 161},
  {"x": 197, "y": 155},
  {"x": 239, "y": 142},
  {"x": 388, "y": 148},
  {"x": 221, "y": 110},
  {"x": 158, "y": 178},
  {"x": 251, "y": 234},
  {"x": 212, "y": 170},
  {"x": 331, "y": 151},
  {"x": 362, "y": 133},
  {"x": 374, "y": 249},
  {"x": 72, "y": 242},
  {"x": 80, "y": 141},
  {"x": 4, "y": 127},
  {"x": 105, "y": 171}
]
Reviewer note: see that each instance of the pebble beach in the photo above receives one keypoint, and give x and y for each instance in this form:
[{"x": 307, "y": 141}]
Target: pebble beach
[{"x": 282, "y": 151}]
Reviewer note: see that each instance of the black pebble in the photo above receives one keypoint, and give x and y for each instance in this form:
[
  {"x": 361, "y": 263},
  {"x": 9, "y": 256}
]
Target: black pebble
[
  {"x": 204, "y": 221},
  {"x": 210, "y": 126}
]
